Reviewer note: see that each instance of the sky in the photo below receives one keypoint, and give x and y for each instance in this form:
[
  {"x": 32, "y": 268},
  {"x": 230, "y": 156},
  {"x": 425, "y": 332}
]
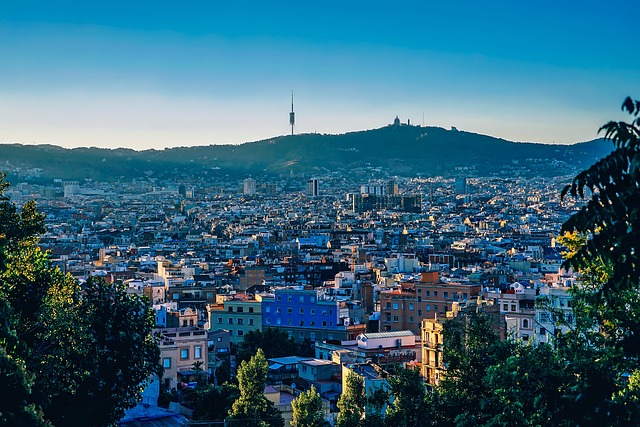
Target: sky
[{"x": 156, "y": 74}]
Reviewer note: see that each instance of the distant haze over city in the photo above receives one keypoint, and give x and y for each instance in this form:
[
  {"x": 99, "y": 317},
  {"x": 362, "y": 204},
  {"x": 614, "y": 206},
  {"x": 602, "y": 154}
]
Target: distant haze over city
[{"x": 148, "y": 75}]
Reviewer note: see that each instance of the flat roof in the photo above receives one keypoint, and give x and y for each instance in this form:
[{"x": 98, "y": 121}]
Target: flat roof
[{"x": 393, "y": 334}]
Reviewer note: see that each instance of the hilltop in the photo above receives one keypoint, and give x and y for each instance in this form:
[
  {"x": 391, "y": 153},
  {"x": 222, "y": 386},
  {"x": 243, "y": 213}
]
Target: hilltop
[{"x": 401, "y": 150}]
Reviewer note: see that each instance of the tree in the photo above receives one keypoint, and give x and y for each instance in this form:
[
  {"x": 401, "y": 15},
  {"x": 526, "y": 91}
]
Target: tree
[
  {"x": 273, "y": 342},
  {"x": 602, "y": 239},
  {"x": 252, "y": 408},
  {"x": 82, "y": 355},
  {"x": 307, "y": 410},
  {"x": 118, "y": 356},
  {"x": 352, "y": 403},
  {"x": 408, "y": 399},
  {"x": 214, "y": 403},
  {"x": 610, "y": 219},
  {"x": 471, "y": 346}
]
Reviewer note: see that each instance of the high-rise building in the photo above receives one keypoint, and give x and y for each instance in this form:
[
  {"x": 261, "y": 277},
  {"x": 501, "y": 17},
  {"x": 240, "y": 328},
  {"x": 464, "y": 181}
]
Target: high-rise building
[
  {"x": 249, "y": 186},
  {"x": 392, "y": 188},
  {"x": 461, "y": 186},
  {"x": 313, "y": 187}
]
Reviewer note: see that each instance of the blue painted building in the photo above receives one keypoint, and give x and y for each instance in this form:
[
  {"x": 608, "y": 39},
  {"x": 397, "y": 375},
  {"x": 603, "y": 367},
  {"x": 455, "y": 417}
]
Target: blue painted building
[{"x": 306, "y": 314}]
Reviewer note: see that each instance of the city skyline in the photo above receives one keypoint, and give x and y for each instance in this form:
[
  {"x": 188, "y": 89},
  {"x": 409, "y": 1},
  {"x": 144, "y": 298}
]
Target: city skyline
[{"x": 151, "y": 76}]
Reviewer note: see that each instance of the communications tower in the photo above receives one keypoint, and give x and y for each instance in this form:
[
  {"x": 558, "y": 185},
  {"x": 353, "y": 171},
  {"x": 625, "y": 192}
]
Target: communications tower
[{"x": 292, "y": 115}]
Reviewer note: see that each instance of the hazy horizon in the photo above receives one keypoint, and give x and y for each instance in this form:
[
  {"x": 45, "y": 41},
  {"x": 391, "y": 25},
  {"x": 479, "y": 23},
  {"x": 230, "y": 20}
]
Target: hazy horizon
[{"x": 149, "y": 75}]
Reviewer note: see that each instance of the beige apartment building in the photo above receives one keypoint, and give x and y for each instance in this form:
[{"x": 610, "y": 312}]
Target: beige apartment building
[{"x": 180, "y": 349}]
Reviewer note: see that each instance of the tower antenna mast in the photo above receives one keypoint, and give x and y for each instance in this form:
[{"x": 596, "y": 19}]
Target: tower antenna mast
[{"x": 292, "y": 115}]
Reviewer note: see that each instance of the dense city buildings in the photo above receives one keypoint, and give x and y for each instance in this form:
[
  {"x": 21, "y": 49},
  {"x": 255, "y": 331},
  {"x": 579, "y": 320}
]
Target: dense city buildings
[{"x": 366, "y": 274}]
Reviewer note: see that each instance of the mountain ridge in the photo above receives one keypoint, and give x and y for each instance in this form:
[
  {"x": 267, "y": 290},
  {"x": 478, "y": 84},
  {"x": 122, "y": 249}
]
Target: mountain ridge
[{"x": 403, "y": 150}]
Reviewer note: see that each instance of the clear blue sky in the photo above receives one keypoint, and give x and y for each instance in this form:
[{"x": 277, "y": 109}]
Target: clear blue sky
[{"x": 145, "y": 74}]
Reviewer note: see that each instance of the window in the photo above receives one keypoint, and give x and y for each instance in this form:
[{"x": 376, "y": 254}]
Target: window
[
  {"x": 427, "y": 293},
  {"x": 324, "y": 312},
  {"x": 240, "y": 321},
  {"x": 446, "y": 294},
  {"x": 240, "y": 309},
  {"x": 395, "y": 305},
  {"x": 312, "y": 336},
  {"x": 301, "y": 334},
  {"x": 250, "y": 309},
  {"x": 388, "y": 305},
  {"x": 419, "y": 312},
  {"x": 288, "y": 321},
  {"x": 230, "y": 309},
  {"x": 435, "y": 307},
  {"x": 219, "y": 319},
  {"x": 184, "y": 322},
  {"x": 330, "y": 311},
  {"x": 324, "y": 323},
  {"x": 278, "y": 310},
  {"x": 251, "y": 322},
  {"x": 279, "y": 298},
  {"x": 197, "y": 352},
  {"x": 166, "y": 363},
  {"x": 525, "y": 323},
  {"x": 465, "y": 295},
  {"x": 427, "y": 307},
  {"x": 513, "y": 307},
  {"x": 278, "y": 321},
  {"x": 313, "y": 312},
  {"x": 230, "y": 321},
  {"x": 330, "y": 323},
  {"x": 435, "y": 293},
  {"x": 302, "y": 323},
  {"x": 543, "y": 331},
  {"x": 268, "y": 321},
  {"x": 395, "y": 318},
  {"x": 505, "y": 307},
  {"x": 410, "y": 319},
  {"x": 525, "y": 337},
  {"x": 410, "y": 306},
  {"x": 240, "y": 332},
  {"x": 301, "y": 299},
  {"x": 302, "y": 311},
  {"x": 388, "y": 318},
  {"x": 267, "y": 309},
  {"x": 209, "y": 295},
  {"x": 219, "y": 339},
  {"x": 176, "y": 296},
  {"x": 313, "y": 323},
  {"x": 184, "y": 353},
  {"x": 289, "y": 299},
  {"x": 289, "y": 310},
  {"x": 419, "y": 299}
]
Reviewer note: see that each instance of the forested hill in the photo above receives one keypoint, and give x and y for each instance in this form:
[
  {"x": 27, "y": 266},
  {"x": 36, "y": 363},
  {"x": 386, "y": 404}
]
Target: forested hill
[{"x": 401, "y": 150}]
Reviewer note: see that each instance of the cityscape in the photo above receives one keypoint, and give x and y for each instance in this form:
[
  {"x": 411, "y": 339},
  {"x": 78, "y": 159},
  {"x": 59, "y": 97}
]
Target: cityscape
[{"x": 319, "y": 214}]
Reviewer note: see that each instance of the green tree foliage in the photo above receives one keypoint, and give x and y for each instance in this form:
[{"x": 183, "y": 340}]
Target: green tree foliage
[
  {"x": 471, "y": 345},
  {"x": 82, "y": 356},
  {"x": 352, "y": 403},
  {"x": 273, "y": 342},
  {"x": 252, "y": 408},
  {"x": 610, "y": 219},
  {"x": 307, "y": 410},
  {"x": 214, "y": 403},
  {"x": 408, "y": 395}
]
